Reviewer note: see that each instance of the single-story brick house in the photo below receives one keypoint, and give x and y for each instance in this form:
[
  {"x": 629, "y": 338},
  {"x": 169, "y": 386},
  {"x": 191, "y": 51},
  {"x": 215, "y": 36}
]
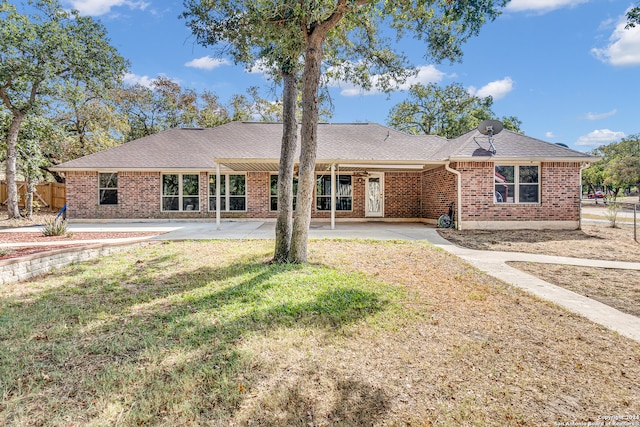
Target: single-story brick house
[{"x": 378, "y": 174}]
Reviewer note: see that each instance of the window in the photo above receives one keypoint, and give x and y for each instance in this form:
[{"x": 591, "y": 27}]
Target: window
[
  {"x": 273, "y": 188},
  {"x": 517, "y": 184},
  {"x": 233, "y": 193},
  {"x": 343, "y": 193},
  {"x": 180, "y": 192},
  {"x": 108, "y": 188}
]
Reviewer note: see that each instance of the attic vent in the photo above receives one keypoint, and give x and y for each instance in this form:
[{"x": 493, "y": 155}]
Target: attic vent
[{"x": 192, "y": 128}]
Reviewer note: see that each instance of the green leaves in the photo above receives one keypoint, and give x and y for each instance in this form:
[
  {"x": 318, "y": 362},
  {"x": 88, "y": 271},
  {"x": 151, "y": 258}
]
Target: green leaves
[
  {"x": 619, "y": 167},
  {"x": 446, "y": 111},
  {"x": 45, "y": 47}
]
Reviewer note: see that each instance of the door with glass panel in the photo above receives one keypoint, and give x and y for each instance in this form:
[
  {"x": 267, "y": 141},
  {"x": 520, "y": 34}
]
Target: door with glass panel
[{"x": 374, "y": 195}]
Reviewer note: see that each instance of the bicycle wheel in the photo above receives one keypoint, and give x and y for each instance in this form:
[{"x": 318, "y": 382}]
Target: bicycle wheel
[{"x": 444, "y": 221}]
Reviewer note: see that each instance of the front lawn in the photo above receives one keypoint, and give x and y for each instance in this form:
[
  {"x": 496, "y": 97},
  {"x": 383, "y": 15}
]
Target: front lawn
[{"x": 368, "y": 333}]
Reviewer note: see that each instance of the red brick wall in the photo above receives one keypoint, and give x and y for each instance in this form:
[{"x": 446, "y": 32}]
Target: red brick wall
[
  {"x": 439, "y": 189},
  {"x": 402, "y": 194},
  {"x": 425, "y": 194},
  {"x": 559, "y": 201}
]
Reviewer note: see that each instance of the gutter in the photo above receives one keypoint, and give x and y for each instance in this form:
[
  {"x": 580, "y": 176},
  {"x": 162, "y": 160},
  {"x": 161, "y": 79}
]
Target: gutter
[{"x": 459, "y": 185}]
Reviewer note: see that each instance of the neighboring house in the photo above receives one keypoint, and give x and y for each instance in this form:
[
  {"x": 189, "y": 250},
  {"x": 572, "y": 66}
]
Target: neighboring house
[{"x": 377, "y": 173}]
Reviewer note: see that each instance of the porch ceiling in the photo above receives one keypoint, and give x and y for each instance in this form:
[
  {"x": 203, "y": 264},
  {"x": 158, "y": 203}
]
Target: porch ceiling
[{"x": 271, "y": 165}]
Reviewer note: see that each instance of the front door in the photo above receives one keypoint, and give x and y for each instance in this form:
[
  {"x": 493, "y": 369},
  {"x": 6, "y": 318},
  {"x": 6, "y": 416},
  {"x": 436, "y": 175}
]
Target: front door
[{"x": 374, "y": 205}]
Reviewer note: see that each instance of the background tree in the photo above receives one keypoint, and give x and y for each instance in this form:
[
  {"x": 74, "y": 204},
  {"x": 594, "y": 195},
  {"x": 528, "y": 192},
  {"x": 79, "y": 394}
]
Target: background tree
[
  {"x": 622, "y": 163},
  {"x": 593, "y": 177},
  {"x": 91, "y": 123},
  {"x": 41, "y": 50},
  {"x": 448, "y": 111},
  {"x": 619, "y": 167}
]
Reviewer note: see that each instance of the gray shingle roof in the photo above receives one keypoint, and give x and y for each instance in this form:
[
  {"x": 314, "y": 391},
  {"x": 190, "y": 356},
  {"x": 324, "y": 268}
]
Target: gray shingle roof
[
  {"x": 509, "y": 145},
  {"x": 196, "y": 149}
]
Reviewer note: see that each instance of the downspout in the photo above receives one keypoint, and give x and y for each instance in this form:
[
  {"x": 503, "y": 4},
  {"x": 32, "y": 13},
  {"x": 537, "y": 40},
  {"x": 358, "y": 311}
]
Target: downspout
[
  {"x": 459, "y": 191},
  {"x": 583, "y": 167}
]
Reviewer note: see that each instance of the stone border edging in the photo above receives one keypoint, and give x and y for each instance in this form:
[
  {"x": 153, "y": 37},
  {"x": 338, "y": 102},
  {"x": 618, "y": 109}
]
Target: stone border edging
[{"x": 33, "y": 265}]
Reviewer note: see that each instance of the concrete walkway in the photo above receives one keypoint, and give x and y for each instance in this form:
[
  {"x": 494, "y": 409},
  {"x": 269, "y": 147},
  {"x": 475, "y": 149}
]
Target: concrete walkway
[
  {"x": 490, "y": 262},
  {"x": 494, "y": 264}
]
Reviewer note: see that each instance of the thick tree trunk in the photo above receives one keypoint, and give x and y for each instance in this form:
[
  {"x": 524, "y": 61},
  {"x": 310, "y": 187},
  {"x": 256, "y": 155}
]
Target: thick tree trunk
[
  {"x": 12, "y": 155},
  {"x": 308, "y": 148},
  {"x": 285, "y": 169}
]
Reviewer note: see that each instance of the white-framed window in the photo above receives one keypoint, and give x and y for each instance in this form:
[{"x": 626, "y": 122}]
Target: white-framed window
[
  {"x": 233, "y": 192},
  {"x": 273, "y": 192},
  {"x": 108, "y": 188},
  {"x": 344, "y": 200},
  {"x": 516, "y": 184},
  {"x": 180, "y": 192}
]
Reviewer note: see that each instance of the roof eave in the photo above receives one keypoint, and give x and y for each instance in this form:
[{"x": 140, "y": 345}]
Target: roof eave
[
  {"x": 130, "y": 169},
  {"x": 585, "y": 159}
]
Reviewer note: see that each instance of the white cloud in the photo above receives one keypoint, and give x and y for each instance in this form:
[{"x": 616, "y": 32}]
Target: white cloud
[
  {"x": 600, "y": 137},
  {"x": 134, "y": 79},
  {"x": 541, "y": 6},
  {"x": 549, "y": 135},
  {"x": 598, "y": 116},
  {"x": 101, "y": 7},
  {"x": 623, "y": 48},
  {"x": 207, "y": 63},
  {"x": 425, "y": 74},
  {"x": 497, "y": 89}
]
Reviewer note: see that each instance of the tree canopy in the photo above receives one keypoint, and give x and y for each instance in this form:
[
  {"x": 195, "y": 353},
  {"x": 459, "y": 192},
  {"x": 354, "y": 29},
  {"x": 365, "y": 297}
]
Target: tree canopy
[
  {"x": 619, "y": 167},
  {"x": 633, "y": 17},
  {"x": 43, "y": 48},
  {"x": 446, "y": 111}
]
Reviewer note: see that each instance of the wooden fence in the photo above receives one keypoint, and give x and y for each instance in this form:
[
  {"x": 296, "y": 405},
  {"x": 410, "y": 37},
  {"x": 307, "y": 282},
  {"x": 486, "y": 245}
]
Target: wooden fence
[{"x": 49, "y": 195}]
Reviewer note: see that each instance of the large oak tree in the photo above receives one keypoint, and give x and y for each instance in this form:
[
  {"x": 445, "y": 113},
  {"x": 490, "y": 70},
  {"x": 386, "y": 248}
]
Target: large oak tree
[
  {"x": 43, "y": 47},
  {"x": 351, "y": 32}
]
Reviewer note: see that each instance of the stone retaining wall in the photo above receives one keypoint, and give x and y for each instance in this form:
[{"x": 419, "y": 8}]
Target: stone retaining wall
[{"x": 34, "y": 265}]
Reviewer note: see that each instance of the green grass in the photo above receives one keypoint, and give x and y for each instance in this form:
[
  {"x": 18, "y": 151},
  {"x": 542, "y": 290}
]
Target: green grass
[{"x": 155, "y": 335}]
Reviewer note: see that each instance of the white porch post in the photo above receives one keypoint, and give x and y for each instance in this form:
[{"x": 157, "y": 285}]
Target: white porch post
[
  {"x": 217, "y": 196},
  {"x": 333, "y": 196}
]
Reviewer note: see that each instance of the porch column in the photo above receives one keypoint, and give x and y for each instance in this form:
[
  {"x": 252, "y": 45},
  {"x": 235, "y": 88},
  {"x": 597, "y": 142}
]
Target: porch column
[
  {"x": 333, "y": 196},
  {"x": 217, "y": 196}
]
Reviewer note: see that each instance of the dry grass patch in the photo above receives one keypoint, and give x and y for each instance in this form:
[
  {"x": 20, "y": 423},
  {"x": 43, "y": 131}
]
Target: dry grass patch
[
  {"x": 369, "y": 333},
  {"x": 615, "y": 287},
  {"x": 594, "y": 241},
  {"x": 619, "y": 289}
]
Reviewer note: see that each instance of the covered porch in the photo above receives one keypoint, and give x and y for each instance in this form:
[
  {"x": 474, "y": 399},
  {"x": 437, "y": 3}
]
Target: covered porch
[{"x": 356, "y": 190}]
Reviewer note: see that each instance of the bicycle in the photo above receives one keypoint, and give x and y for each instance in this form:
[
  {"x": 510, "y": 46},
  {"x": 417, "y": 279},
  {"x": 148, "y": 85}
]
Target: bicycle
[{"x": 448, "y": 220}]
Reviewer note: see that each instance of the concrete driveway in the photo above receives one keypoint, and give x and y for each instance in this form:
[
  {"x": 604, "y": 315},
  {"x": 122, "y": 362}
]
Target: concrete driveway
[{"x": 195, "y": 230}]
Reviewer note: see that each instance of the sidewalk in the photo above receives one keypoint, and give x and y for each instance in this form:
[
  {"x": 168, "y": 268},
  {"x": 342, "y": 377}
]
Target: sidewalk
[
  {"x": 490, "y": 262},
  {"x": 494, "y": 264}
]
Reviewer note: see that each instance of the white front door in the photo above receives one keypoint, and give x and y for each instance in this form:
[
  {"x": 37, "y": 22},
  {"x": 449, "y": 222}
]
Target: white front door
[{"x": 374, "y": 195}]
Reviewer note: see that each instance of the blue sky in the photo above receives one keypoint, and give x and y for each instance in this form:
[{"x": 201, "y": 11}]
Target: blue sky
[{"x": 566, "y": 68}]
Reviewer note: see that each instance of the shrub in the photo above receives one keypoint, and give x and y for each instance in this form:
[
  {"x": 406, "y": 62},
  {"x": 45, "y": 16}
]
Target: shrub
[
  {"x": 613, "y": 208},
  {"x": 54, "y": 227}
]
